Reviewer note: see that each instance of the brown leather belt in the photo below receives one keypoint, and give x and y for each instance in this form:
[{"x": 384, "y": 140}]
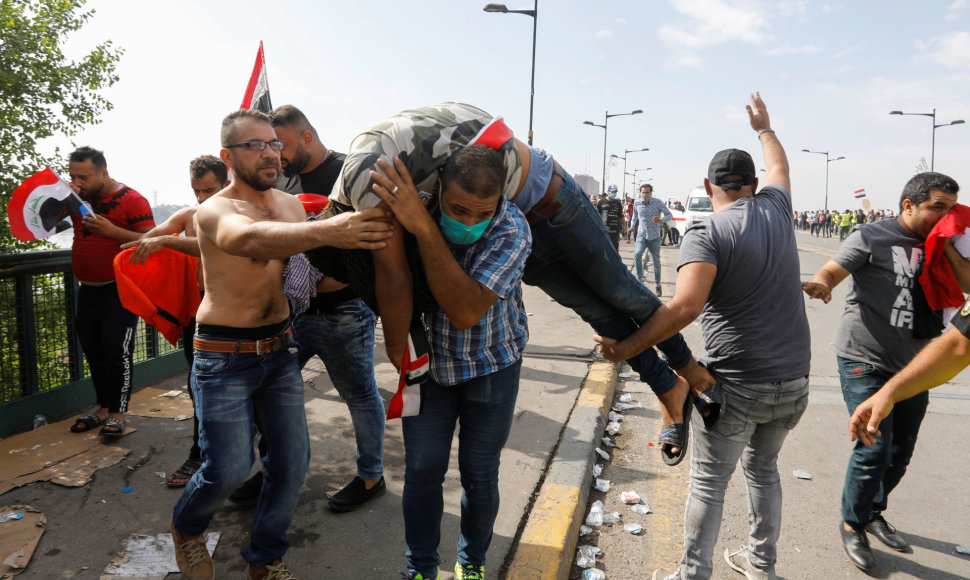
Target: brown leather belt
[
  {"x": 277, "y": 342},
  {"x": 548, "y": 205}
]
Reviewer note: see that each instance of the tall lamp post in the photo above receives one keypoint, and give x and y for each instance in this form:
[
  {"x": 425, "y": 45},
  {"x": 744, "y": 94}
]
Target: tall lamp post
[
  {"x": 827, "y": 161},
  {"x": 606, "y": 122},
  {"x": 935, "y": 127},
  {"x": 534, "y": 13},
  {"x": 635, "y": 171},
  {"x": 625, "y": 153}
]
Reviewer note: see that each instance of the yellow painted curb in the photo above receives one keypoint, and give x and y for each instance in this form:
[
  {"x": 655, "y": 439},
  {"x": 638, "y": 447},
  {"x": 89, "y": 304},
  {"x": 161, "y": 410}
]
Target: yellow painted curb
[{"x": 545, "y": 549}]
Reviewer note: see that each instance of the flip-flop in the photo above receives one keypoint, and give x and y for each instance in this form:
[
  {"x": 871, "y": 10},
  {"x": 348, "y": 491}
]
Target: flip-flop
[
  {"x": 183, "y": 474},
  {"x": 117, "y": 428},
  {"x": 86, "y": 423},
  {"x": 676, "y": 435}
]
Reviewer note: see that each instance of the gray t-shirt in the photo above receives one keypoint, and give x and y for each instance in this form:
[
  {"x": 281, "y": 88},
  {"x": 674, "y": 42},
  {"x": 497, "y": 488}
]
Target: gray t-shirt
[
  {"x": 885, "y": 261},
  {"x": 754, "y": 323}
]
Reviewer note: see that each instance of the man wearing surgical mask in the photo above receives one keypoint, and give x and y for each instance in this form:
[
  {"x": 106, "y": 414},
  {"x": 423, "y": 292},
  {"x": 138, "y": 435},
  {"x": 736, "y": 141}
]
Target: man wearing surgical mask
[
  {"x": 474, "y": 256},
  {"x": 611, "y": 212}
]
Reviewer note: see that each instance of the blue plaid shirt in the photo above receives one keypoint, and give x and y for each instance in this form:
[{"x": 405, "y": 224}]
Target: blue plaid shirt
[
  {"x": 643, "y": 213},
  {"x": 497, "y": 261}
]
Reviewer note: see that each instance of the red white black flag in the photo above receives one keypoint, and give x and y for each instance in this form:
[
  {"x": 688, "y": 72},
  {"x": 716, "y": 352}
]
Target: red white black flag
[
  {"x": 859, "y": 193},
  {"x": 36, "y": 205},
  {"x": 257, "y": 91}
]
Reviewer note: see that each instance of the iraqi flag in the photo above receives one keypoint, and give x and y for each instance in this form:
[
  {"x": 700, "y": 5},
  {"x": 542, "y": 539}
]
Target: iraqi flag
[
  {"x": 257, "y": 91},
  {"x": 34, "y": 206},
  {"x": 414, "y": 371},
  {"x": 859, "y": 193}
]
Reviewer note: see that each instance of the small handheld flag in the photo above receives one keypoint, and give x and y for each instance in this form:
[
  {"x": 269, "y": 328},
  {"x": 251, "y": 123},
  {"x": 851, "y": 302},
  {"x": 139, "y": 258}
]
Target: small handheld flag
[
  {"x": 35, "y": 205},
  {"x": 859, "y": 193}
]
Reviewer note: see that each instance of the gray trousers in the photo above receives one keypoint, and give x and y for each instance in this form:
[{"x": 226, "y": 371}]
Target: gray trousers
[{"x": 754, "y": 421}]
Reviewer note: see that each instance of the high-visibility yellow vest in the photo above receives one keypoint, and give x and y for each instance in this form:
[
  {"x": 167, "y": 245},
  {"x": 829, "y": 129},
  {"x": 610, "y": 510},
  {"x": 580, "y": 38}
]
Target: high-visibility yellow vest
[{"x": 847, "y": 219}]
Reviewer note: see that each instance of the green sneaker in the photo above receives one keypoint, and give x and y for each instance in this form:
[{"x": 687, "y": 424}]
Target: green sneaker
[
  {"x": 469, "y": 572},
  {"x": 415, "y": 575}
]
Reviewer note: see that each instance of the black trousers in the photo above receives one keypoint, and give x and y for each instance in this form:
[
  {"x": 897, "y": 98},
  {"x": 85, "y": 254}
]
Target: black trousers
[{"x": 107, "y": 333}]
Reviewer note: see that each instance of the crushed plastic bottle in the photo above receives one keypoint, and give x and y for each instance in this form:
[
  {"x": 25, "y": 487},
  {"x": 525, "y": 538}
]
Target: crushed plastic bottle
[
  {"x": 963, "y": 550},
  {"x": 641, "y": 508},
  {"x": 613, "y": 427},
  {"x": 603, "y": 454},
  {"x": 10, "y": 516},
  {"x": 585, "y": 530},
  {"x": 595, "y": 517},
  {"x": 39, "y": 420},
  {"x": 633, "y": 528},
  {"x": 602, "y": 485},
  {"x": 612, "y": 518},
  {"x": 607, "y": 442},
  {"x": 586, "y": 556},
  {"x": 594, "y": 574},
  {"x": 800, "y": 474},
  {"x": 620, "y": 407},
  {"x": 616, "y": 417},
  {"x": 626, "y": 398},
  {"x": 597, "y": 469}
]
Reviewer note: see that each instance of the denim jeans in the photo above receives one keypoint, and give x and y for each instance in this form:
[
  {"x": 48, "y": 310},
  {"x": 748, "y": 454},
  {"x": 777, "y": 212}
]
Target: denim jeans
[
  {"x": 233, "y": 392},
  {"x": 874, "y": 471},
  {"x": 344, "y": 340},
  {"x": 754, "y": 421},
  {"x": 654, "y": 247},
  {"x": 483, "y": 409},
  {"x": 107, "y": 334},
  {"x": 573, "y": 260}
]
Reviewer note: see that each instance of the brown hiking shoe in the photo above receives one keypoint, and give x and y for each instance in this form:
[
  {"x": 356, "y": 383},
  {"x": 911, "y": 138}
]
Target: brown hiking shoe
[
  {"x": 275, "y": 571},
  {"x": 192, "y": 557}
]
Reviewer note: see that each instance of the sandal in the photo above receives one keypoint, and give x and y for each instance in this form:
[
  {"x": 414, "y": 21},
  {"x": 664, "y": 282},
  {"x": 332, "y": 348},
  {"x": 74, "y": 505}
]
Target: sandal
[
  {"x": 86, "y": 423},
  {"x": 183, "y": 474},
  {"x": 676, "y": 435},
  {"x": 113, "y": 428}
]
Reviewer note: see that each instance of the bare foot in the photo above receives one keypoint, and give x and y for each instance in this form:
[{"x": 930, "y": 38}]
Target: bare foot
[{"x": 699, "y": 378}]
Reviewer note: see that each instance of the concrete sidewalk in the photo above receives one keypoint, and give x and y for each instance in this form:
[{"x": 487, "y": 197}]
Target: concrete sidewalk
[{"x": 542, "y": 499}]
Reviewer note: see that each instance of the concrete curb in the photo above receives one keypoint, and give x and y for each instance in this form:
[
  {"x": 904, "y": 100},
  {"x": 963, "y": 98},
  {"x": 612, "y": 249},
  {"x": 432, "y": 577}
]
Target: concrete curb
[{"x": 545, "y": 549}]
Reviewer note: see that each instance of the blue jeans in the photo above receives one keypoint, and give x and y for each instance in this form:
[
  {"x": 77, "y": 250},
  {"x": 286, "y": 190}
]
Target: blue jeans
[
  {"x": 874, "y": 471},
  {"x": 483, "y": 408},
  {"x": 344, "y": 340},
  {"x": 573, "y": 260},
  {"x": 754, "y": 422},
  {"x": 654, "y": 247},
  {"x": 233, "y": 392}
]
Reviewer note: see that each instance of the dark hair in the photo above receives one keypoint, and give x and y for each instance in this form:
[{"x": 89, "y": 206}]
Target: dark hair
[
  {"x": 232, "y": 119},
  {"x": 290, "y": 117},
  {"x": 642, "y": 185},
  {"x": 476, "y": 169},
  {"x": 918, "y": 189},
  {"x": 82, "y": 154},
  {"x": 205, "y": 163}
]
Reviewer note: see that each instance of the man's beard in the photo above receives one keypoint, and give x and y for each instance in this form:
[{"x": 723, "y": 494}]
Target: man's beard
[
  {"x": 296, "y": 165},
  {"x": 255, "y": 179}
]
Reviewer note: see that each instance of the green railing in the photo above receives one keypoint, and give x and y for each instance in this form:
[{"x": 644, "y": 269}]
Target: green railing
[{"x": 42, "y": 369}]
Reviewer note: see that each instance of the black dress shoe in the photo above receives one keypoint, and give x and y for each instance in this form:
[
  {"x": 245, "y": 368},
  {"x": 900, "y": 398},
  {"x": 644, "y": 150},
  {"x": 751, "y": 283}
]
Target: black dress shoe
[
  {"x": 886, "y": 534},
  {"x": 355, "y": 494},
  {"x": 248, "y": 492},
  {"x": 857, "y": 548}
]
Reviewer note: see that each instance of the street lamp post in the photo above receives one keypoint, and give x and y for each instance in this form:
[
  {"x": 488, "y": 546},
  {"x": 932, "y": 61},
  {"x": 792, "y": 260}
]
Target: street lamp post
[
  {"x": 625, "y": 153},
  {"x": 534, "y": 13},
  {"x": 606, "y": 122},
  {"x": 935, "y": 127},
  {"x": 827, "y": 161},
  {"x": 635, "y": 171}
]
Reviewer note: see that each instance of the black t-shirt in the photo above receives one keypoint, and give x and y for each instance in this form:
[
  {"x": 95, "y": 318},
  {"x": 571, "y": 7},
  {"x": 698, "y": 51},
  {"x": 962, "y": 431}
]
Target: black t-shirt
[
  {"x": 321, "y": 179},
  {"x": 611, "y": 212}
]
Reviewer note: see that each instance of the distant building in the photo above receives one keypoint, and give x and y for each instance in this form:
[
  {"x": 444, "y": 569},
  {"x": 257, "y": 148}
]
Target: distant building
[{"x": 589, "y": 184}]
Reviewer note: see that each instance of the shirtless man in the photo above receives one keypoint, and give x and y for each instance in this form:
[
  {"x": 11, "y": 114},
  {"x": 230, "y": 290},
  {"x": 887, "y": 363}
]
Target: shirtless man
[
  {"x": 245, "y": 363},
  {"x": 208, "y": 175}
]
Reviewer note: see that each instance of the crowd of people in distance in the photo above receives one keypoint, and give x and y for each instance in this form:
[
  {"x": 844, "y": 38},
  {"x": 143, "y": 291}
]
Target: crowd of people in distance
[{"x": 826, "y": 223}]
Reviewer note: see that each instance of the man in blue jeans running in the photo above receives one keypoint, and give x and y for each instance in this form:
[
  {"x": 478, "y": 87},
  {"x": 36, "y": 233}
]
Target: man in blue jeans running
[
  {"x": 739, "y": 271},
  {"x": 245, "y": 363},
  {"x": 648, "y": 214},
  {"x": 886, "y": 322},
  {"x": 473, "y": 250}
]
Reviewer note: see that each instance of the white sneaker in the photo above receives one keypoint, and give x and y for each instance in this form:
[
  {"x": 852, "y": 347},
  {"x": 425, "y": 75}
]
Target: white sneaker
[{"x": 740, "y": 562}]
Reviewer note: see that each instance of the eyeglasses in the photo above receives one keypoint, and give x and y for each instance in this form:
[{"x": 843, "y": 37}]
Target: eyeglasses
[{"x": 258, "y": 144}]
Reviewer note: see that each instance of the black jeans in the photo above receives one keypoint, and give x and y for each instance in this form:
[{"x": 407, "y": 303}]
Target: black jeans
[{"x": 107, "y": 333}]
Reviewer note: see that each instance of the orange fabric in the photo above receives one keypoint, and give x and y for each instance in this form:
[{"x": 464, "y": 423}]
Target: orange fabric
[{"x": 165, "y": 284}]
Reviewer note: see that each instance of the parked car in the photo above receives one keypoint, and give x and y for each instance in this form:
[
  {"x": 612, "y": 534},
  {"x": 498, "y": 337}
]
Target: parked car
[{"x": 698, "y": 206}]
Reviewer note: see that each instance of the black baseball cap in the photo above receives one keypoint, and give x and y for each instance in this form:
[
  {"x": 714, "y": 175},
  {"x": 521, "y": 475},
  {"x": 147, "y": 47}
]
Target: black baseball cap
[{"x": 731, "y": 162}]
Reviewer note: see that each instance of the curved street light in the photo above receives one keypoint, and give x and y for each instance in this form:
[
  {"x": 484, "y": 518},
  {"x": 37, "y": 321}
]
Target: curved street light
[
  {"x": 935, "y": 127},
  {"x": 827, "y": 161},
  {"x": 606, "y": 122},
  {"x": 625, "y": 153},
  {"x": 534, "y": 13}
]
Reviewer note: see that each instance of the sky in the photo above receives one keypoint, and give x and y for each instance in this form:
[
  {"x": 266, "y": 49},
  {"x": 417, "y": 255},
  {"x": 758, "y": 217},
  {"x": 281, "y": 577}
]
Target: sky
[{"x": 830, "y": 73}]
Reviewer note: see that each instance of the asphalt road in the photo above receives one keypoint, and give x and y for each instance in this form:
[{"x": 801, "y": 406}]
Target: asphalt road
[{"x": 929, "y": 507}]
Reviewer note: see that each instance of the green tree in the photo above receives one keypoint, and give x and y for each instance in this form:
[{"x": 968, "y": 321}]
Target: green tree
[{"x": 43, "y": 94}]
